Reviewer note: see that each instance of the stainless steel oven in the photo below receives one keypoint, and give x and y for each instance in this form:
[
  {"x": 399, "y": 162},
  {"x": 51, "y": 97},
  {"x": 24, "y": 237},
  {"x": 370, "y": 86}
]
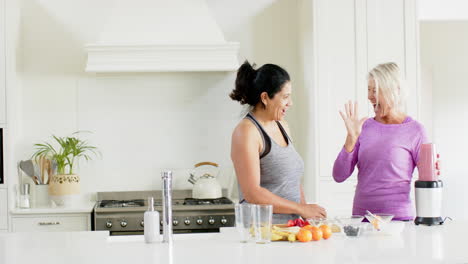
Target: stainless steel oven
[{"x": 121, "y": 213}]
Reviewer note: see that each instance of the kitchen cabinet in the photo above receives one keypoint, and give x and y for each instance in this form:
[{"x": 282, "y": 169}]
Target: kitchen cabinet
[
  {"x": 52, "y": 219},
  {"x": 3, "y": 209},
  {"x": 2, "y": 64},
  {"x": 349, "y": 39},
  {"x": 51, "y": 222}
]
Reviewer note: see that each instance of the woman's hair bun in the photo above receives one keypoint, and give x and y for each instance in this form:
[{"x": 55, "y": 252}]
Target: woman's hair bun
[{"x": 244, "y": 84}]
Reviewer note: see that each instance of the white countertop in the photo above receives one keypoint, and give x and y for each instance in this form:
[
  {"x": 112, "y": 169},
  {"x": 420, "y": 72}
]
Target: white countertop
[
  {"x": 416, "y": 244},
  {"x": 84, "y": 207}
]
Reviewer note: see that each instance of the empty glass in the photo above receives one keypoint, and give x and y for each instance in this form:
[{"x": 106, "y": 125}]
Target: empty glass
[
  {"x": 245, "y": 221},
  {"x": 262, "y": 223}
]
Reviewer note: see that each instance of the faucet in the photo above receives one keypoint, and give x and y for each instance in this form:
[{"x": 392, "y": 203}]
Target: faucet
[{"x": 167, "y": 206}]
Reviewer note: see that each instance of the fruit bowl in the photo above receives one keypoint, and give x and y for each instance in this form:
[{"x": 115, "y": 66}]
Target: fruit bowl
[{"x": 352, "y": 226}]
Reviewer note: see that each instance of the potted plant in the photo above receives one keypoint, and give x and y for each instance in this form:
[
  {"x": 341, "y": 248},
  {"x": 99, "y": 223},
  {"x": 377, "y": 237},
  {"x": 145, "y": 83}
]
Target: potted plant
[{"x": 64, "y": 184}]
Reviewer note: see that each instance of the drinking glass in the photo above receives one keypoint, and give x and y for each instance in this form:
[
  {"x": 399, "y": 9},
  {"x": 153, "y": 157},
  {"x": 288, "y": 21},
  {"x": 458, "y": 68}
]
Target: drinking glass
[
  {"x": 262, "y": 223},
  {"x": 245, "y": 214}
]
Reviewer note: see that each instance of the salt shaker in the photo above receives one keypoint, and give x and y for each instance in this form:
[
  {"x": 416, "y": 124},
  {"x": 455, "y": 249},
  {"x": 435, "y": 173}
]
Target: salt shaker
[{"x": 24, "y": 196}]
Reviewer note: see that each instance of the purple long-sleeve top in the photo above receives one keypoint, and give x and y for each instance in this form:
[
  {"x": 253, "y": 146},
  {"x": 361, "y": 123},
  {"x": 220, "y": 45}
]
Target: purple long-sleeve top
[{"x": 385, "y": 155}]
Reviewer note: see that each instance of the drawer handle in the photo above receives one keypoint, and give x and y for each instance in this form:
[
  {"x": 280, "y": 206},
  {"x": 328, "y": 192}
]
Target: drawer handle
[{"x": 49, "y": 223}]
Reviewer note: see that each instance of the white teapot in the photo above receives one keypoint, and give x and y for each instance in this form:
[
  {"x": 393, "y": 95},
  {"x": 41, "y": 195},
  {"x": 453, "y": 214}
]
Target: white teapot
[{"x": 205, "y": 184}]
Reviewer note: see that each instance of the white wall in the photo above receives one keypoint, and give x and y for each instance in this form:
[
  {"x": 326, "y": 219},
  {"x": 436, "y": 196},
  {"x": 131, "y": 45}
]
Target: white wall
[
  {"x": 443, "y": 61},
  {"x": 140, "y": 122},
  {"x": 443, "y": 9}
]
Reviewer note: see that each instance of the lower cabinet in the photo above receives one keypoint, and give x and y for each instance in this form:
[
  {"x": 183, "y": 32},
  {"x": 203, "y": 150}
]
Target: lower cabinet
[
  {"x": 59, "y": 222},
  {"x": 337, "y": 198},
  {"x": 3, "y": 210}
]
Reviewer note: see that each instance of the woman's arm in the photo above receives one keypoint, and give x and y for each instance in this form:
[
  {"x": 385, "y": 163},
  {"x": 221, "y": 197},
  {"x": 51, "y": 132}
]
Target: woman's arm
[
  {"x": 345, "y": 163},
  {"x": 245, "y": 147},
  {"x": 348, "y": 157},
  {"x": 303, "y": 201}
]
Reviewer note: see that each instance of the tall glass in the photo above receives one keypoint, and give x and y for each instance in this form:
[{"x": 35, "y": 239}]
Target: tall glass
[
  {"x": 262, "y": 223},
  {"x": 245, "y": 214}
]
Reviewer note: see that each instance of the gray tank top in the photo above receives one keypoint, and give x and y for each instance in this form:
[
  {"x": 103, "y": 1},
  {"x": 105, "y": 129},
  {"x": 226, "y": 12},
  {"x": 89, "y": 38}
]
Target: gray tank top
[{"x": 281, "y": 169}]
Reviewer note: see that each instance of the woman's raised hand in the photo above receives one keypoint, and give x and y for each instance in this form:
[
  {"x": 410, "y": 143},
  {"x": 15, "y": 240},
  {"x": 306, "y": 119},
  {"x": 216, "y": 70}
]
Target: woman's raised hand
[{"x": 353, "y": 124}]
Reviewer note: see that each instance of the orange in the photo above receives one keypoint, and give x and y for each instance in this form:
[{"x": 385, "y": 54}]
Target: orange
[
  {"x": 308, "y": 227},
  {"x": 304, "y": 235},
  {"x": 317, "y": 234},
  {"x": 314, "y": 228},
  {"x": 326, "y": 230}
]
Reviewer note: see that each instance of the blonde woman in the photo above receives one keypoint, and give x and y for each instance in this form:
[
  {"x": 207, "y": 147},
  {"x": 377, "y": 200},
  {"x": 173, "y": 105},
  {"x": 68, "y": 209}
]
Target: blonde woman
[{"x": 384, "y": 148}]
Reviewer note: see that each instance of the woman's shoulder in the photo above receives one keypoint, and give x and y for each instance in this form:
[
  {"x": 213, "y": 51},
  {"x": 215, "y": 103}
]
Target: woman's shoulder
[
  {"x": 245, "y": 129},
  {"x": 415, "y": 124}
]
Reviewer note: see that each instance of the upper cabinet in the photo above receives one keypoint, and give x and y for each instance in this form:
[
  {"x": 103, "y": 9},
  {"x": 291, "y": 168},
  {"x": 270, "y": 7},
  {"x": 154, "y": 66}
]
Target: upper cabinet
[
  {"x": 349, "y": 39},
  {"x": 2, "y": 64},
  {"x": 392, "y": 35}
]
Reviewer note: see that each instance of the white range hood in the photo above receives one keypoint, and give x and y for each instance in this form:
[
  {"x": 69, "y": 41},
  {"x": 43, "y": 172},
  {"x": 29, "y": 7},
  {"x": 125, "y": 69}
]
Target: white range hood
[{"x": 161, "y": 36}]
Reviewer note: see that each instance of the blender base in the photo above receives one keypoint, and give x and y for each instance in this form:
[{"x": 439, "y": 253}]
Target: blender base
[{"x": 428, "y": 221}]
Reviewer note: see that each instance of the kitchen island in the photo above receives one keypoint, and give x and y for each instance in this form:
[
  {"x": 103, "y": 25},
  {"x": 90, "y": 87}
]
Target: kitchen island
[{"x": 416, "y": 244}]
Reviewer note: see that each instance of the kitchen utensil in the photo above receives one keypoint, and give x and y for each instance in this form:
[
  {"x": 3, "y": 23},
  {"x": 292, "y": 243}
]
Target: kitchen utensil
[
  {"x": 43, "y": 168},
  {"x": 37, "y": 171},
  {"x": 51, "y": 171},
  {"x": 428, "y": 188},
  {"x": 205, "y": 184},
  {"x": 36, "y": 180},
  {"x": 27, "y": 167}
]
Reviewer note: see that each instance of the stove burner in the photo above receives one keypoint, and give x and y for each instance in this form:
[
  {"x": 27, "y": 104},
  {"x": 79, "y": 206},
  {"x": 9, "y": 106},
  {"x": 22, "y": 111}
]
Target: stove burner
[
  {"x": 122, "y": 203},
  {"x": 192, "y": 201}
]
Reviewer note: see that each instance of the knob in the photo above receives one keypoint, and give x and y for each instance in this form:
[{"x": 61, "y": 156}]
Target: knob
[
  {"x": 142, "y": 223},
  {"x": 223, "y": 221},
  {"x": 123, "y": 223},
  {"x": 211, "y": 221},
  {"x": 161, "y": 222},
  {"x": 187, "y": 222},
  {"x": 175, "y": 222},
  {"x": 109, "y": 224},
  {"x": 199, "y": 221}
]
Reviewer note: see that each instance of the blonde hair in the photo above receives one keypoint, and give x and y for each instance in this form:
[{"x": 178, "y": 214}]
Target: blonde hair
[{"x": 388, "y": 85}]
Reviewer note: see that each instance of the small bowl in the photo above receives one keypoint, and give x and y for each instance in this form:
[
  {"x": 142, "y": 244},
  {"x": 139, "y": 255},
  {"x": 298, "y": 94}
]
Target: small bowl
[
  {"x": 380, "y": 223},
  {"x": 352, "y": 226}
]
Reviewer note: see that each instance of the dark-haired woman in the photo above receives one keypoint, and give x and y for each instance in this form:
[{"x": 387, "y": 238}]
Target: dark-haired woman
[{"x": 268, "y": 168}]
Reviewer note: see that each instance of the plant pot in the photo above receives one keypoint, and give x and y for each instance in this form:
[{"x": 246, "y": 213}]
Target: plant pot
[{"x": 64, "y": 189}]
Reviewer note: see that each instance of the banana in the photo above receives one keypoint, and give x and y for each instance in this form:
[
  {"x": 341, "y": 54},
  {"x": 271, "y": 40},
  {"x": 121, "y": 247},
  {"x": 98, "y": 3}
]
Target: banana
[
  {"x": 276, "y": 237},
  {"x": 292, "y": 237},
  {"x": 281, "y": 233}
]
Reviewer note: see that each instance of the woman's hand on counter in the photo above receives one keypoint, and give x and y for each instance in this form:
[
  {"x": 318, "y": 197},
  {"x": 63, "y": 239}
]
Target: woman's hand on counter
[{"x": 311, "y": 211}]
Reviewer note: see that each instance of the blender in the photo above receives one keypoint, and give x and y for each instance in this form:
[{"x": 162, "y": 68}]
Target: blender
[{"x": 428, "y": 188}]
